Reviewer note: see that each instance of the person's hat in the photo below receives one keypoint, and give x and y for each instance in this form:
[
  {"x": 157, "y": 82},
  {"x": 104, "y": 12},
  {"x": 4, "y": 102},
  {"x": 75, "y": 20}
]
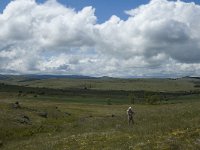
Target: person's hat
[{"x": 129, "y": 108}]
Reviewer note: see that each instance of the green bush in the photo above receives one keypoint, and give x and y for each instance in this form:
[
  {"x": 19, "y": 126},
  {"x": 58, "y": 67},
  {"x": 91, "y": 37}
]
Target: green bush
[
  {"x": 153, "y": 99},
  {"x": 109, "y": 101}
]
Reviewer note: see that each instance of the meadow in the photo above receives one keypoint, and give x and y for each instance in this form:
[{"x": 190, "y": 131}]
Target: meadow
[
  {"x": 107, "y": 83},
  {"x": 83, "y": 119}
]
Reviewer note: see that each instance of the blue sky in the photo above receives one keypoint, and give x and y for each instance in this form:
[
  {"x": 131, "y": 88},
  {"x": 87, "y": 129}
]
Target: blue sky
[{"x": 104, "y": 8}]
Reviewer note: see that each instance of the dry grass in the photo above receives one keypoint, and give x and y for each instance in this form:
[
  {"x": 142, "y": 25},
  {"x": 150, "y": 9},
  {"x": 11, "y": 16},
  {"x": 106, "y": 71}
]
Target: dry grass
[{"x": 91, "y": 126}]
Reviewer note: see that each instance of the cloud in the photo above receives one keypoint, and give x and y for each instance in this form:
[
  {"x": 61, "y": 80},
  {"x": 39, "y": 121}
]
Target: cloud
[{"x": 160, "y": 38}]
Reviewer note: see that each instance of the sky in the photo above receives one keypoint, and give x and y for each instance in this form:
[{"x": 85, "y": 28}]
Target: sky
[
  {"x": 123, "y": 38},
  {"x": 104, "y": 9}
]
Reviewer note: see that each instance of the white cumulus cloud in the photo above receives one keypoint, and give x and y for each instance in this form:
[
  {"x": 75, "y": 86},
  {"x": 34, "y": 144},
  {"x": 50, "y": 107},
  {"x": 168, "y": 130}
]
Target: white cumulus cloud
[{"x": 161, "y": 38}]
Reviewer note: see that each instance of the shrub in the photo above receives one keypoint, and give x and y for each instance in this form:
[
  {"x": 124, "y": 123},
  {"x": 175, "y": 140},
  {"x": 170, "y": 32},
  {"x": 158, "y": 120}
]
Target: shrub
[
  {"x": 153, "y": 99},
  {"x": 109, "y": 101}
]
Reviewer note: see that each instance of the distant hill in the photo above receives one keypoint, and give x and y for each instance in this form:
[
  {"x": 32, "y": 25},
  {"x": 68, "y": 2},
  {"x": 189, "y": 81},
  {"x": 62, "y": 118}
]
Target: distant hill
[
  {"x": 106, "y": 78},
  {"x": 189, "y": 77},
  {"x": 2, "y": 77},
  {"x": 24, "y": 78},
  {"x": 58, "y": 76},
  {"x": 33, "y": 77},
  {"x": 102, "y": 83}
]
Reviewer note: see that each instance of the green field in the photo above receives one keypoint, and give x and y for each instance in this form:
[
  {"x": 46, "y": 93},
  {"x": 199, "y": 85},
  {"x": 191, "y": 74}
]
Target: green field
[
  {"x": 75, "y": 118},
  {"x": 179, "y": 84}
]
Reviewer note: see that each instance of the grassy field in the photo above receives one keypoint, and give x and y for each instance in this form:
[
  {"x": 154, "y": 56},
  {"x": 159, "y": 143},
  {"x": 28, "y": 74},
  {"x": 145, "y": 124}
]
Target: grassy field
[
  {"x": 89, "y": 114},
  {"x": 180, "y": 84},
  {"x": 97, "y": 126}
]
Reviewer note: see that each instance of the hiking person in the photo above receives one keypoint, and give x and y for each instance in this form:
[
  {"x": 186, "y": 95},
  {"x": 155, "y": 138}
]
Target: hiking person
[{"x": 130, "y": 113}]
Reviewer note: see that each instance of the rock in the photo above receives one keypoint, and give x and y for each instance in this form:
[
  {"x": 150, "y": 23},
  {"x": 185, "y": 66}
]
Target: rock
[
  {"x": 43, "y": 114},
  {"x": 16, "y": 105},
  {"x": 24, "y": 120},
  {"x": 57, "y": 109},
  {"x": 197, "y": 142},
  {"x": 26, "y": 117},
  {"x": 67, "y": 113}
]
